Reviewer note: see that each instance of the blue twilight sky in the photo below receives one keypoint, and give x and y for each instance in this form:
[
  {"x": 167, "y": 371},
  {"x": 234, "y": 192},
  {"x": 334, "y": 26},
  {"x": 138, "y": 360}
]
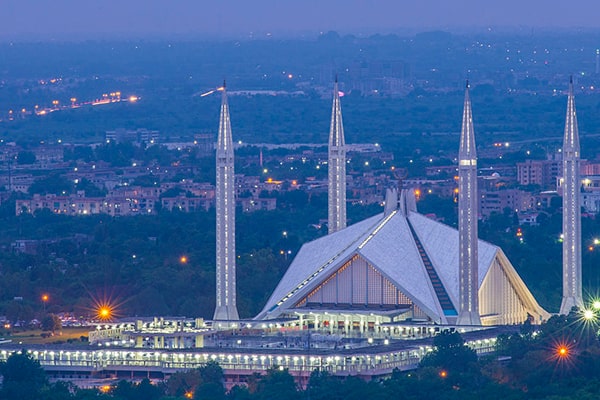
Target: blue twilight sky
[{"x": 89, "y": 18}]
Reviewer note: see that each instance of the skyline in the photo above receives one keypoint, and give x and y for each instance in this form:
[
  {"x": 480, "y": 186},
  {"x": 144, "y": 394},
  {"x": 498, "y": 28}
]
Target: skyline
[{"x": 71, "y": 20}]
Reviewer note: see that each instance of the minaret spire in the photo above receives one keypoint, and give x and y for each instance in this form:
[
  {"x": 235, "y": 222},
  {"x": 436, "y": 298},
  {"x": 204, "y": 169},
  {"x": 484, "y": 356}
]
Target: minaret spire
[
  {"x": 467, "y": 221},
  {"x": 225, "y": 309},
  {"x": 336, "y": 166},
  {"x": 572, "y": 293}
]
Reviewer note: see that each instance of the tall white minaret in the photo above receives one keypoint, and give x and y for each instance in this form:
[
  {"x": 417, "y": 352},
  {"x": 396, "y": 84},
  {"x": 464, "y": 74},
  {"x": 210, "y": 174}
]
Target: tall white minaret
[
  {"x": 336, "y": 166},
  {"x": 225, "y": 309},
  {"x": 467, "y": 221},
  {"x": 572, "y": 293}
]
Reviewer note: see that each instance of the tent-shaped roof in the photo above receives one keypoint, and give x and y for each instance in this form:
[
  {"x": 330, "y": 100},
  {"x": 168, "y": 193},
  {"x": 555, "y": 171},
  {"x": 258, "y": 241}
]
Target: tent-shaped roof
[{"x": 398, "y": 243}]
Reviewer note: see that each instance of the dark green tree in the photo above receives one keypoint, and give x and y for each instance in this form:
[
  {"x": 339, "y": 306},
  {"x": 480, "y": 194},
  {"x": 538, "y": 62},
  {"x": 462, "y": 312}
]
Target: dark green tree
[
  {"x": 211, "y": 382},
  {"x": 145, "y": 390},
  {"x": 239, "y": 393},
  {"x": 61, "y": 390},
  {"x": 450, "y": 352},
  {"x": 182, "y": 382},
  {"x": 23, "y": 377},
  {"x": 323, "y": 386},
  {"x": 277, "y": 383},
  {"x": 25, "y": 157},
  {"x": 452, "y": 363},
  {"x": 52, "y": 323},
  {"x": 51, "y": 184}
]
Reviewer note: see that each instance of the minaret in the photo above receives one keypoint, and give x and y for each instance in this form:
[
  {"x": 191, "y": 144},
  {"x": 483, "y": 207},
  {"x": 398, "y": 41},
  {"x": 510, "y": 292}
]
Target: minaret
[
  {"x": 226, "y": 309},
  {"x": 572, "y": 294},
  {"x": 336, "y": 167},
  {"x": 467, "y": 222}
]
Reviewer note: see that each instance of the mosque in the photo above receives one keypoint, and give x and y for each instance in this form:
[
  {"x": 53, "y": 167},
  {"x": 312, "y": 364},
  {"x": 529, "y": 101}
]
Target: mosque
[
  {"x": 400, "y": 266},
  {"x": 363, "y": 300},
  {"x": 396, "y": 275}
]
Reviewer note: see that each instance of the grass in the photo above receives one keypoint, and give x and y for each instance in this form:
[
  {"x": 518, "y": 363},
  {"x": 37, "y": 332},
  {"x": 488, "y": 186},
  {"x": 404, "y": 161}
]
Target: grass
[{"x": 34, "y": 336}]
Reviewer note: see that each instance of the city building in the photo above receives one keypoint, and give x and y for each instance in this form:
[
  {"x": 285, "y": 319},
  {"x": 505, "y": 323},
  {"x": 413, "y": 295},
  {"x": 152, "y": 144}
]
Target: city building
[
  {"x": 204, "y": 143},
  {"x": 257, "y": 204},
  {"x": 539, "y": 172},
  {"x": 119, "y": 203},
  {"x": 139, "y": 136},
  {"x": 186, "y": 204},
  {"x": 496, "y": 201}
]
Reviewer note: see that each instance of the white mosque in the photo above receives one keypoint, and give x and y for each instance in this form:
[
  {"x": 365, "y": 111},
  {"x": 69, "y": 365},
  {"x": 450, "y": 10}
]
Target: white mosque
[{"x": 402, "y": 267}]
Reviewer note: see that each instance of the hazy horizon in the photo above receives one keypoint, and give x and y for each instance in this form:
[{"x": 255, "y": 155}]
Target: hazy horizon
[{"x": 77, "y": 20}]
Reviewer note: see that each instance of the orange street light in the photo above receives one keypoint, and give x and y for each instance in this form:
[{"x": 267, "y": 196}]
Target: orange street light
[
  {"x": 105, "y": 388},
  {"x": 104, "y": 313},
  {"x": 562, "y": 351},
  {"x": 45, "y": 299}
]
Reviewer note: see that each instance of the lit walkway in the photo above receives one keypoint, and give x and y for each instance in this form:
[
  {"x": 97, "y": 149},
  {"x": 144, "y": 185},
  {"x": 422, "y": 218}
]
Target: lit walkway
[{"x": 377, "y": 360}]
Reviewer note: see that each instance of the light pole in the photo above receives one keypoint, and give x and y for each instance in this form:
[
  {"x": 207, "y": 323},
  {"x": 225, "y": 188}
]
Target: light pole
[{"x": 45, "y": 299}]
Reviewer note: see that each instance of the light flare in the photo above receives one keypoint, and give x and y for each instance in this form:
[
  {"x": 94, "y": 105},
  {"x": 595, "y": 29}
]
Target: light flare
[
  {"x": 207, "y": 93},
  {"x": 106, "y": 307}
]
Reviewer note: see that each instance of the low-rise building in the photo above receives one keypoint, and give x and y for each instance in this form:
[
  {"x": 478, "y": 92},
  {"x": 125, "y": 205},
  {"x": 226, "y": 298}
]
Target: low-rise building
[
  {"x": 496, "y": 201},
  {"x": 257, "y": 203}
]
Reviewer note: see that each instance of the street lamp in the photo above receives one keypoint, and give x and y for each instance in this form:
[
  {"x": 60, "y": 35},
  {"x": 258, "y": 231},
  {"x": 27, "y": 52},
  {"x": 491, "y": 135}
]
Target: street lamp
[
  {"x": 562, "y": 351},
  {"x": 589, "y": 315},
  {"x": 104, "y": 313},
  {"x": 45, "y": 299}
]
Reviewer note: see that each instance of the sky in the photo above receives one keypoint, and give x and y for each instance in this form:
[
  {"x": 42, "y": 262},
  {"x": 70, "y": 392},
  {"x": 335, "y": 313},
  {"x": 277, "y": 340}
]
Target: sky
[{"x": 82, "y": 19}]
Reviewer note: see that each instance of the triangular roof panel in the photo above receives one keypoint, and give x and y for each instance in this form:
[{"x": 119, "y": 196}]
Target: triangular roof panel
[
  {"x": 398, "y": 258},
  {"x": 319, "y": 257},
  {"x": 441, "y": 243}
]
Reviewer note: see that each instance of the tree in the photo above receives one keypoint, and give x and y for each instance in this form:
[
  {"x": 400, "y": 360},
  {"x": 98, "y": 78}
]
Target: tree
[
  {"x": 211, "y": 386},
  {"x": 145, "y": 390},
  {"x": 17, "y": 311},
  {"x": 277, "y": 384},
  {"x": 239, "y": 393},
  {"x": 322, "y": 385},
  {"x": 25, "y": 157},
  {"x": 52, "y": 323},
  {"x": 182, "y": 382},
  {"x": 89, "y": 188},
  {"x": 61, "y": 390},
  {"x": 123, "y": 390},
  {"x": 52, "y": 184},
  {"x": 210, "y": 391},
  {"x": 450, "y": 352},
  {"x": 23, "y": 377}
]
